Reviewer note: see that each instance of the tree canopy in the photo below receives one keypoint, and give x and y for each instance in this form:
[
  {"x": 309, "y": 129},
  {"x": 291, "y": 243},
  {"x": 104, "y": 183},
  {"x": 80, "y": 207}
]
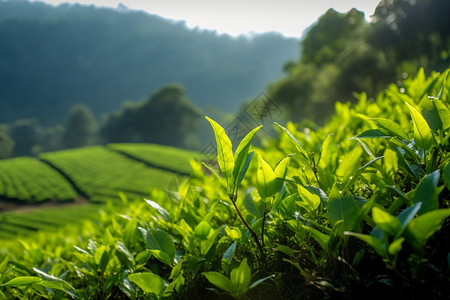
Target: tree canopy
[
  {"x": 168, "y": 117},
  {"x": 342, "y": 54}
]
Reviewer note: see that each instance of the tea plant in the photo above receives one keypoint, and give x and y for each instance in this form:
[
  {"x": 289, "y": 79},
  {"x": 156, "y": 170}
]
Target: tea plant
[{"x": 359, "y": 206}]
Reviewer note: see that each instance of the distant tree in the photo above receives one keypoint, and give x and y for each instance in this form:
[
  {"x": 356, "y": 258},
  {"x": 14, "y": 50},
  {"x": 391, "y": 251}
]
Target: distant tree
[
  {"x": 168, "y": 117},
  {"x": 6, "y": 145},
  {"x": 414, "y": 31},
  {"x": 80, "y": 127},
  {"x": 52, "y": 138},
  {"x": 26, "y": 134}
]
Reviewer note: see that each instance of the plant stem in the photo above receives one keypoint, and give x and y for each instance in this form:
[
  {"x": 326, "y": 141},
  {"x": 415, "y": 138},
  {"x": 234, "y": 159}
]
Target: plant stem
[
  {"x": 255, "y": 237},
  {"x": 262, "y": 226}
]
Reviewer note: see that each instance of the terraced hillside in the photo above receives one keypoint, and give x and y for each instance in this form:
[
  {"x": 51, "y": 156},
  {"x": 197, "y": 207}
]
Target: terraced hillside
[
  {"x": 91, "y": 175},
  {"x": 164, "y": 157},
  {"x": 97, "y": 171},
  {"x": 27, "y": 179}
]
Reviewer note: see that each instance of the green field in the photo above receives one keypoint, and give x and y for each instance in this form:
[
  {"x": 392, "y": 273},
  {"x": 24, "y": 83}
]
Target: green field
[
  {"x": 27, "y": 179},
  {"x": 20, "y": 223},
  {"x": 95, "y": 173},
  {"x": 165, "y": 157},
  {"x": 99, "y": 171}
]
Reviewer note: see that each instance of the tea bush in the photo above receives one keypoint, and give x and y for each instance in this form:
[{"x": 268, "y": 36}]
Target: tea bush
[{"x": 356, "y": 208}]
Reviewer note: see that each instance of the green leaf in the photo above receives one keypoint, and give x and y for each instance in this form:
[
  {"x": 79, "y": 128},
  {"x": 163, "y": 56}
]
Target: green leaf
[
  {"x": 242, "y": 153},
  {"x": 164, "y": 213},
  {"x": 391, "y": 128},
  {"x": 286, "y": 250},
  {"x": 233, "y": 233},
  {"x": 281, "y": 169},
  {"x": 407, "y": 215},
  {"x": 265, "y": 179},
  {"x": 22, "y": 280},
  {"x": 241, "y": 277},
  {"x": 446, "y": 175},
  {"x": 259, "y": 281},
  {"x": 349, "y": 163},
  {"x": 420, "y": 229},
  {"x": 202, "y": 230},
  {"x": 244, "y": 168},
  {"x": 224, "y": 184},
  {"x": 255, "y": 207},
  {"x": 229, "y": 254},
  {"x": 345, "y": 208},
  {"x": 148, "y": 282},
  {"x": 297, "y": 145},
  {"x": 160, "y": 243},
  {"x": 224, "y": 151},
  {"x": 372, "y": 241},
  {"x": 219, "y": 280},
  {"x": 4, "y": 264},
  {"x": 320, "y": 237},
  {"x": 310, "y": 201},
  {"x": 427, "y": 192},
  {"x": 396, "y": 246},
  {"x": 422, "y": 133},
  {"x": 386, "y": 222},
  {"x": 373, "y": 133}
]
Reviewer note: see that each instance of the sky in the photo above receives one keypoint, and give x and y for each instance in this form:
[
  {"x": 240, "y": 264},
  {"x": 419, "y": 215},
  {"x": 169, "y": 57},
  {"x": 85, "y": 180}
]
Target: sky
[{"x": 235, "y": 17}]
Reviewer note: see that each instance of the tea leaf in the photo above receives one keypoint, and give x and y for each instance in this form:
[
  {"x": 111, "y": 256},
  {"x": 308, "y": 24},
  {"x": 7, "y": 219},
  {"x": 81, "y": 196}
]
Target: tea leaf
[
  {"x": 391, "y": 128},
  {"x": 265, "y": 179},
  {"x": 242, "y": 153},
  {"x": 320, "y": 237},
  {"x": 224, "y": 151},
  {"x": 160, "y": 243},
  {"x": 241, "y": 276},
  {"x": 422, "y": 133},
  {"x": 297, "y": 145},
  {"x": 427, "y": 193},
  {"x": 386, "y": 222},
  {"x": 420, "y": 229},
  {"x": 22, "y": 280},
  {"x": 372, "y": 241},
  {"x": 244, "y": 169},
  {"x": 345, "y": 208},
  {"x": 202, "y": 230},
  {"x": 148, "y": 282},
  {"x": 446, "y": 175},
  {"x": 219, "y": 280}
]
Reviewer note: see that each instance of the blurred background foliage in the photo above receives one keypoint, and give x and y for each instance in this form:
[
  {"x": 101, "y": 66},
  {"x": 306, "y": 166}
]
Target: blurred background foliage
[
  {"x": 77, "y": 75},
  {"x": 342, "y": 54}
]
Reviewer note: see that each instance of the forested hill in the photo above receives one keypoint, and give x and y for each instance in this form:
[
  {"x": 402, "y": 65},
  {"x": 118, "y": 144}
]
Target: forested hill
[{"x": 53, "y": 57}]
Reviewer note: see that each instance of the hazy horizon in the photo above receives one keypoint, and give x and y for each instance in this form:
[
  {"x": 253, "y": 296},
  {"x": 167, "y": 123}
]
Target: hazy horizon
[{"x": 289, "y": 18}]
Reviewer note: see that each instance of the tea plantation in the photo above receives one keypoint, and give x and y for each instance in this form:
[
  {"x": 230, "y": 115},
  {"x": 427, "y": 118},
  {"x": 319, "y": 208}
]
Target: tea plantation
[
  {"x": 355, "y": 209},
  {"x": 89, "y": 176}
]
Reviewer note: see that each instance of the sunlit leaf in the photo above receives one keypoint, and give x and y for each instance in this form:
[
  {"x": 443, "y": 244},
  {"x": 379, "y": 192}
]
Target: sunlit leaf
[
  {"x": 160, "y": 243},
  {"x": 22, "y": 280},
  {"x": 390, "y": 128},
  {"x": 420, "y": 229},
  {"x": 219, "y": 280},
  {"x": 427, "y": 193},
  {"x": 265, "y": 179},
  {"x": 422, "y": 133},
  {"x": 148, "y": 282},
  {"x": 241, "y": 276},
  {"x": 202, "y": 230},
  {"x": 242, "y": 153},
  {"x": 224, "y": 151},
  {"x": 386, "y": 222},
  {"x": 297, "y": 144}
]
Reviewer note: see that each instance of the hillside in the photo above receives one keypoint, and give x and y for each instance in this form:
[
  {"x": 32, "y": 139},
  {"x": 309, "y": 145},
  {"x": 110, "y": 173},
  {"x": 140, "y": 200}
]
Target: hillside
[
  {"x": 53, "y": 57},
  {"x": 60, "y": 181}
]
